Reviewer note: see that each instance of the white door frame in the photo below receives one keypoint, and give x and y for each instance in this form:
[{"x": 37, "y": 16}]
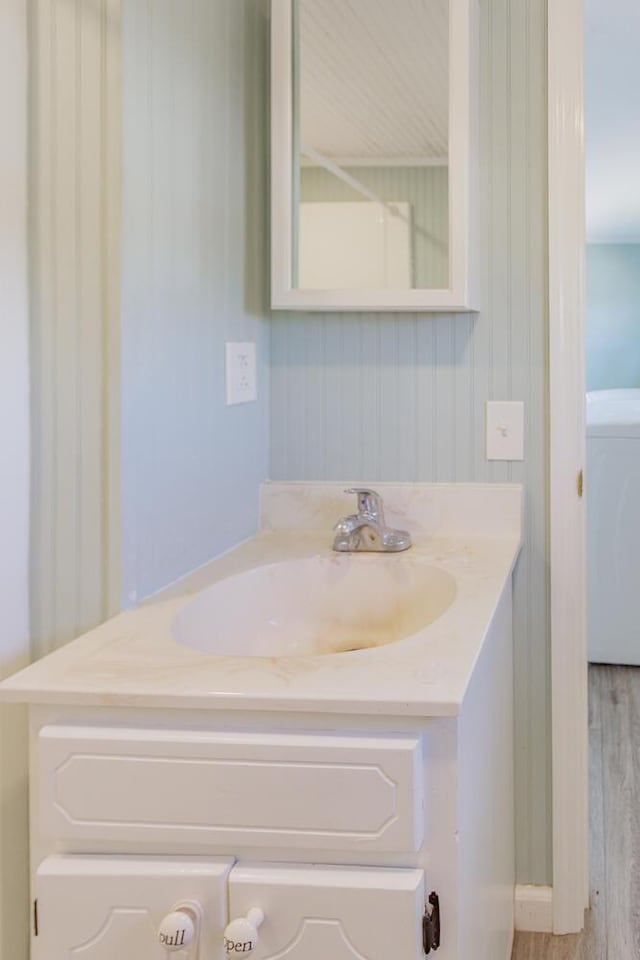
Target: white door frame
[{"x": 567, "y": 457}]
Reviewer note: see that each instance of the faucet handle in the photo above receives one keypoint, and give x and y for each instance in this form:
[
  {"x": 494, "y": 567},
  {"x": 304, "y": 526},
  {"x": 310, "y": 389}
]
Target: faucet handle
[{"x": 369, "y": 501}]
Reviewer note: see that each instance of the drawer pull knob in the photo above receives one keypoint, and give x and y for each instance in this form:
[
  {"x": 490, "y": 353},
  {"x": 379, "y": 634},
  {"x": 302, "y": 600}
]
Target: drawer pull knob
[
  {"x": 179, "y": 929},
  {"x": 241, "y": 936}
]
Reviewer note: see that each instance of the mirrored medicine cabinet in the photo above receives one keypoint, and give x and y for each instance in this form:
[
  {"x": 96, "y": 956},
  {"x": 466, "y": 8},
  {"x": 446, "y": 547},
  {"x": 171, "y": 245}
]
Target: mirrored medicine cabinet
[{"x": 374, "y": 155}]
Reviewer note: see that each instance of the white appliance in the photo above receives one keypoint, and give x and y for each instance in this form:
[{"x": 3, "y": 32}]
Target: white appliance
[{"x": 613, "y": 525}]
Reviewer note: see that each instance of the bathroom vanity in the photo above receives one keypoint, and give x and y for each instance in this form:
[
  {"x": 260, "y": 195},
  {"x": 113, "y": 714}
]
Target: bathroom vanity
[{"x": 189, "y": 759}]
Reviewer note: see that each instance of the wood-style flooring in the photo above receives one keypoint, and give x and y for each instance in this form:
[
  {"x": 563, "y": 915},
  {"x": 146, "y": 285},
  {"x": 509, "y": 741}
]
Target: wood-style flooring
[{"x": 613, "y": 923}]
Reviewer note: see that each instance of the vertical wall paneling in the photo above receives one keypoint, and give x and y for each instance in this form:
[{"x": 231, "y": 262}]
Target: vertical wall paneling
[
  {"x": 74, "y": 151},
  {"x": 403, "y": 397},
  {"x": 111, "y": 197},
  {"x": 14, "y": 476},
  {"x": 194, "y": 262}
]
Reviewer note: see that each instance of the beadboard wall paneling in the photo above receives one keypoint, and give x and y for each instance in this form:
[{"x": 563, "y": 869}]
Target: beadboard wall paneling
[
  {"x": 195, "y": 135},
  {"x": 74, "y": 201},
  {"x": 397, "y": 397},
  {"x": 425, "y": 188},
  {"x": 14, "y": 477}
]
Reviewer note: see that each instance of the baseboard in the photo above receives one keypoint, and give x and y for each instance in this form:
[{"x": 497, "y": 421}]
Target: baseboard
[{"x": 534, "y": 909}]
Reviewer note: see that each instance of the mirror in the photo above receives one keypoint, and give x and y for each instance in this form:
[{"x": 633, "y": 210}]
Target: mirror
[
  {"x": 366, "y": 202},
  {"x": 370, "y": 201}
]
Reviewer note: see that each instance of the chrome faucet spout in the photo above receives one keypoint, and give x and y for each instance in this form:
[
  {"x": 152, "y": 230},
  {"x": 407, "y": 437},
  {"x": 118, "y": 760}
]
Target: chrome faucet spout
[
  {"x": 369, "y": 503},
  {"x": 366, "y": 530}
]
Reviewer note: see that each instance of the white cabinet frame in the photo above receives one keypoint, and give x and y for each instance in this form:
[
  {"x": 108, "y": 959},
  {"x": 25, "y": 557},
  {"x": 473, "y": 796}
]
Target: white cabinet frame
[{"x": 462, "y": 293}]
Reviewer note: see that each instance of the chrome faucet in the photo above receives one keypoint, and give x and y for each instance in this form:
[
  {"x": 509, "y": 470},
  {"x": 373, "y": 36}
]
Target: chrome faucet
[{"x": 366, "y": 529}]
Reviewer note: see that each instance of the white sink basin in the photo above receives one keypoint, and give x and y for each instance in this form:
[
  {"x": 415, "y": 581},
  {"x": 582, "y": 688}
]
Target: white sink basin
[{"x": 317, "y": 606}]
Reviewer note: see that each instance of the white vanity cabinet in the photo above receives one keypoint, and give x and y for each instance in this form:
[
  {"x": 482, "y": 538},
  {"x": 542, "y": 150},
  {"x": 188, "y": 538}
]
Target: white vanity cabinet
[{"x": 132, "y": 795}]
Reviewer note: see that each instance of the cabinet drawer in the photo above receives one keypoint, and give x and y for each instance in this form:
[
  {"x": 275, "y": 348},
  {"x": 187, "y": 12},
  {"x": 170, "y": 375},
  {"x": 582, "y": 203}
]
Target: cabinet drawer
[{"x": 228, "y": 790}]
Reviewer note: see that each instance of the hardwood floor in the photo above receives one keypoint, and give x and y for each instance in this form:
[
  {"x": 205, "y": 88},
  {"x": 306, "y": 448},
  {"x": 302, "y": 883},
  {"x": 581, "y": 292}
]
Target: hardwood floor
[{"x": 613, "y": 923}]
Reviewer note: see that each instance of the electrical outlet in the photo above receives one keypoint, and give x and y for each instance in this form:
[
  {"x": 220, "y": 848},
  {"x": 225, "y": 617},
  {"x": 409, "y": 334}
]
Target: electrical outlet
[
  {"x": 240, "y": 372},
  {"x": 505, "y": 430}
]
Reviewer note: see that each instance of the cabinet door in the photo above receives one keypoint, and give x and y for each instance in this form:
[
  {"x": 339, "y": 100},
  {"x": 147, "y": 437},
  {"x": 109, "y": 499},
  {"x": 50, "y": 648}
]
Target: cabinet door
[
  {"x": 341, "y": 913},
  {"x": 110, "y": 908}
]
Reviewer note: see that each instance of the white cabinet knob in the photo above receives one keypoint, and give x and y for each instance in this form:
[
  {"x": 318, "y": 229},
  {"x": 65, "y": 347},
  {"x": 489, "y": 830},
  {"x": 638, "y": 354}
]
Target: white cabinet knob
[
  {"x": 241, "y": 936},
  {"x": 177, "y": 930}
]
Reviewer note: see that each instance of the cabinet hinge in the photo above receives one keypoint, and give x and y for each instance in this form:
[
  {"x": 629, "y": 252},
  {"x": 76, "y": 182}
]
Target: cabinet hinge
[
  {"x": 580, "y": 483},
  {"x": 35, "y": 918},
  {"x": 431, "y": 924}
]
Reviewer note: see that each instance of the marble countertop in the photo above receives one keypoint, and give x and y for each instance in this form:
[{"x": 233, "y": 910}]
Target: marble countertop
[{"x": 133, "y": 660}]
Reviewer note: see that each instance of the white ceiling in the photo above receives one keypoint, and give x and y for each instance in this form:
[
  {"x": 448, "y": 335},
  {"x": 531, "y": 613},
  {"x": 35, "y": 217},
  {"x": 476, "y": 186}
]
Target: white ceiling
[
  {"x": 374, "y": 78},
  {"x": 612, "y": 120}
]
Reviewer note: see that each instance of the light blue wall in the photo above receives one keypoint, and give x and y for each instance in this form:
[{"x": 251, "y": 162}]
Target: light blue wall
[
  {"x": 194, "y": 268},
  {"x": 403, "y": 397},
  {"x": 613, "y": 315}
]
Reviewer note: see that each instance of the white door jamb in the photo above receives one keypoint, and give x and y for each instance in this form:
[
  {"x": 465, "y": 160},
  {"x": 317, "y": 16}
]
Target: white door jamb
[{"x": 567, "y": 457}]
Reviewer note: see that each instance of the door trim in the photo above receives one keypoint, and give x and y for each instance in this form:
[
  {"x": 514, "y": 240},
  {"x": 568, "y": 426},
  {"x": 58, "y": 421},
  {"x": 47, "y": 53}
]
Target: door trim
[{"x": 567, "y": 457}]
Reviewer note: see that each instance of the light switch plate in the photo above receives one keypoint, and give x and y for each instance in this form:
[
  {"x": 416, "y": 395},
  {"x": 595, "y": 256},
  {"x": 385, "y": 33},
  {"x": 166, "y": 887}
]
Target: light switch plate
[
  {"x": 240, "y": 372},
  {"x": 505, "y": 430}
]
